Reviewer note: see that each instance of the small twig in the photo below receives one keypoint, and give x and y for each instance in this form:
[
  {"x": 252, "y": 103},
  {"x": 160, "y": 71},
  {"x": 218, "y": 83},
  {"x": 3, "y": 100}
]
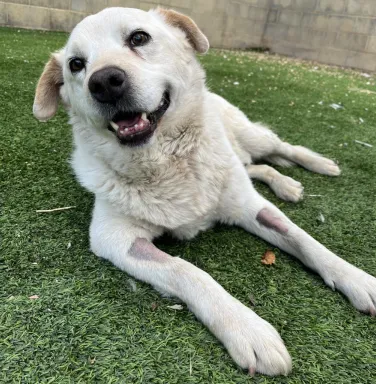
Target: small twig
[
  {"x": 314, "y": 195},
  {"x": 54, "y": 210},
  {"x": 363, "y": 143},
  {"x": 367, "y": 91}
]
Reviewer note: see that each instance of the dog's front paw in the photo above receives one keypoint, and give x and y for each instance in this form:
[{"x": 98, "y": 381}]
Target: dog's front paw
[
  {"x": 357, "y": 285},
  {"x": 253, "y": 343}
]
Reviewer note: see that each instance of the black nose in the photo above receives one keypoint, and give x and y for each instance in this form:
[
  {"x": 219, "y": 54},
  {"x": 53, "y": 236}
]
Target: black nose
[{"x": 108, "y": 84}]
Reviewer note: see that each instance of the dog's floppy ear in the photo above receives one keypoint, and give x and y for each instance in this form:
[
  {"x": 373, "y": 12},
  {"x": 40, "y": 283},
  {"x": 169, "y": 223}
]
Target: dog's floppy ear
[
  {"x": 47, "y": 96},
  {"x": 194, "y": 35}
]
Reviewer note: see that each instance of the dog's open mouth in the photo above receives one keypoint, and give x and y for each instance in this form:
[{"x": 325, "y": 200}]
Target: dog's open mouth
[{"x": 135, "y": 128}]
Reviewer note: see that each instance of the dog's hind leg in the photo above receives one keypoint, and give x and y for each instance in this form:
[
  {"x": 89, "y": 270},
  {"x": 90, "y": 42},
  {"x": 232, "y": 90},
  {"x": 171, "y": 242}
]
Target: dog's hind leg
[
  {"x": 304, "y": 157},
  {"x": 284, "y": 187},
  {"x": 242, "y": 205},
  {"x": 263, "y": 144}
]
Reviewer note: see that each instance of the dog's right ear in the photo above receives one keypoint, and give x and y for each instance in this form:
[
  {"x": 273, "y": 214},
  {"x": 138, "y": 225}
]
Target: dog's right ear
[{"x": 47, "y": 93}]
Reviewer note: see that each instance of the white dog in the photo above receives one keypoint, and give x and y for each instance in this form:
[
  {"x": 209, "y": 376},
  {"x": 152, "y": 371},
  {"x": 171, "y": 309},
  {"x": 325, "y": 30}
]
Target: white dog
[{"x": 163, "y": 154}]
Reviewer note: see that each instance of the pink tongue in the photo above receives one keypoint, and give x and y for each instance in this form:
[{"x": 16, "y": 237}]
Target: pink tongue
[{"x": 128, "y": 122}]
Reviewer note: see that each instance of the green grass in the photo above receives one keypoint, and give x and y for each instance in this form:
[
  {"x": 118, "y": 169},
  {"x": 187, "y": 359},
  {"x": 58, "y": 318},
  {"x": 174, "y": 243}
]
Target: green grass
[{"x": 88, "y": 325}]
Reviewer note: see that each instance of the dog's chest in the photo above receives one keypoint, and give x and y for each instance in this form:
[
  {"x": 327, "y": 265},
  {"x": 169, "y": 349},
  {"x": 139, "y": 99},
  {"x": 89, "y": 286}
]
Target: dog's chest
[
  {"x": 164, "y": 190},
  {"x": 170, "y": 192}
]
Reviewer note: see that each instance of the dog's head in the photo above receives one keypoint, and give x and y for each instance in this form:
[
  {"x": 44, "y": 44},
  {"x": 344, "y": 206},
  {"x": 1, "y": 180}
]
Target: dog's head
[{"x": 123, "y": 70}]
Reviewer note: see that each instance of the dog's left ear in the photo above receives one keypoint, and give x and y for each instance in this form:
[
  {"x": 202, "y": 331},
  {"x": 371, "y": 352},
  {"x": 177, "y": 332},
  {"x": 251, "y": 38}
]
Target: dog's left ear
[
  {"x": 194, "y": 35},
  {"x": 47, "y": 93}
]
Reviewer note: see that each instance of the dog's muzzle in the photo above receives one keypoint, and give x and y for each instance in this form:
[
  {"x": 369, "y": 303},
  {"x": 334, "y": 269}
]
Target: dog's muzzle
[
  {"x": 110, "y": 87},
  {"x": 136, "y": 128}
]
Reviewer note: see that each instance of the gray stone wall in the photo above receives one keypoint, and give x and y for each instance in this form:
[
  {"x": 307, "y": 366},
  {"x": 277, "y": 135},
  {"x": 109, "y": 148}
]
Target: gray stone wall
[{"x": 341, "y": 32}]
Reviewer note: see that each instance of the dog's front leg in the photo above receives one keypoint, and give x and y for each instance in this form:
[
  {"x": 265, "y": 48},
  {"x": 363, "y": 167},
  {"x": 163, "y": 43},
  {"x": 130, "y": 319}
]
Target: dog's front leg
[
  {"x": 252, "y": 342},
  {"x": 242, "y": 205}
]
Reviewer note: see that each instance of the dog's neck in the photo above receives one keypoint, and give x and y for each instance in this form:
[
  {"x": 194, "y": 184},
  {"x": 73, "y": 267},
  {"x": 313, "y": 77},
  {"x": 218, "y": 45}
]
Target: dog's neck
[{"x": 180, "y": 132}]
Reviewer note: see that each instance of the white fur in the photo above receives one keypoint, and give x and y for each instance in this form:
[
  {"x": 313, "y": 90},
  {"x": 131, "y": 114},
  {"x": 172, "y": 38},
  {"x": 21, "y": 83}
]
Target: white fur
[{"x": 190, "y": 175}]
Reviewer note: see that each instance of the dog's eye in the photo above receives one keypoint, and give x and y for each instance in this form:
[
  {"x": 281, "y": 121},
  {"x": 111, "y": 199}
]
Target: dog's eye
[
  {"x": 139, "y": 38},
  {"x": 76, "y": 65}
]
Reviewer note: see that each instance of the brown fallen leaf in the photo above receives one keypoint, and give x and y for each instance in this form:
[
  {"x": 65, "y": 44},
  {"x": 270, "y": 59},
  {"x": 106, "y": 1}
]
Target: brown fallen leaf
[
  {"x": 33, "y": 297},
  {"x": 268, "y": 258},
  {"x": 154, "y": 306}
]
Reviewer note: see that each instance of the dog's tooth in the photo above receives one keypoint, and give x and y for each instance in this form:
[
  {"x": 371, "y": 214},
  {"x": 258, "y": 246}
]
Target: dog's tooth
[
  {"x": 114, "y": 125},
  {"x": 143, "y": 116},
  {"x": 136, "y": 126}
]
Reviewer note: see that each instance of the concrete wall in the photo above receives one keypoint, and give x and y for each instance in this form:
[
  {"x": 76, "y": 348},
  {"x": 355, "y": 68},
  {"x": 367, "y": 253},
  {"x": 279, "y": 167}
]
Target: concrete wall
[
  {"x": 230, "y": 24},
  {"x": 341, "y": 32}
]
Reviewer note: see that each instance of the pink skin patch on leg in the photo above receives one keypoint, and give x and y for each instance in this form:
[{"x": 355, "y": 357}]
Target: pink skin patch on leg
[
  {"x": 143, "y": 249},
  {"x": 266, "y": 218}
]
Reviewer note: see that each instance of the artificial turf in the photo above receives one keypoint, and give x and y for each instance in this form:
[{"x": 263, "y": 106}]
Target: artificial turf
[{"x": 91, "y": 323}]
